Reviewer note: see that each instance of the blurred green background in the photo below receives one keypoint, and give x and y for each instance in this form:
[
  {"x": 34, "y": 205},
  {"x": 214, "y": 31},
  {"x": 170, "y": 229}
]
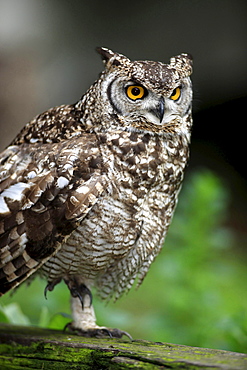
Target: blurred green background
[{"x": 194, "y": 293}]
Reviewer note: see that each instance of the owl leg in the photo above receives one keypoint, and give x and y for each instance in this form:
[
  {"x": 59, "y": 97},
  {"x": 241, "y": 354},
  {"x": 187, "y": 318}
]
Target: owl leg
[{"x": 84, "y": 319}]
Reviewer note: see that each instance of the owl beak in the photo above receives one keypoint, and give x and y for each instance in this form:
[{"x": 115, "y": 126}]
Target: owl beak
[{"x": 159, "y": 110}]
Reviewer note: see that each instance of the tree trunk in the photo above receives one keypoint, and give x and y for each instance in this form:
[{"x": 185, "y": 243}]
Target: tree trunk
[{"x": 35, "y": 348}]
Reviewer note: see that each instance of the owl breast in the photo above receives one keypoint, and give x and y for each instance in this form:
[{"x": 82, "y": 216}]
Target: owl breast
[{"x": 124, "y": 230}]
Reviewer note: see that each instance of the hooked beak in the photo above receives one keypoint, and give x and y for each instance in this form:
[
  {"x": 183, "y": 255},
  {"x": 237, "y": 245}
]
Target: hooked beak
[{"x": 159, "y": 110}]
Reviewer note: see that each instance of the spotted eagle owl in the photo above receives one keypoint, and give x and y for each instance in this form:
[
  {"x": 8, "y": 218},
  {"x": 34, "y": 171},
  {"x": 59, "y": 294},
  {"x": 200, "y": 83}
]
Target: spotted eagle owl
[{"x": 88, "y": 190}]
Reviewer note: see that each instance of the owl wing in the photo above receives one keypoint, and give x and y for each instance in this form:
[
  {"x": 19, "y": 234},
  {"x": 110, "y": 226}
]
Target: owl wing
[{"x": 43, "y": 197}]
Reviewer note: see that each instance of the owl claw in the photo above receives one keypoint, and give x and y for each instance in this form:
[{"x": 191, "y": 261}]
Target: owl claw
[
  {"x": 78, "y": 290},
  {"x": 50, "y": 286},
  {"x": 100, "y": 332}
]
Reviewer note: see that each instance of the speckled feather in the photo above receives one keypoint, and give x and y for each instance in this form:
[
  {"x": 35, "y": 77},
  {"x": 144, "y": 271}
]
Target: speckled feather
[{"x": 88, "y": 190}]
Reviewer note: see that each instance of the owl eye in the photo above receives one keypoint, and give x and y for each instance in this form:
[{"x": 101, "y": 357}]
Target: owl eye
[
  {"x": 135, "y": 92},
  {"x": 176, "y": 93}
]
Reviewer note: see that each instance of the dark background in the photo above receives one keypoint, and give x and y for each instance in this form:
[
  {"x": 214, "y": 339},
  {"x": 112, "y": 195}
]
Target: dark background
[{"x": 47, "y": 58}]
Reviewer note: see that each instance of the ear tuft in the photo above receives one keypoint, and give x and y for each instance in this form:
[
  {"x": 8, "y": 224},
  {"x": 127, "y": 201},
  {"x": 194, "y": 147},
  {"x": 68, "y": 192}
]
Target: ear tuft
[
  {"x": 105, "y": 53},
  {"x": 183, "y": 63},
  {"x": 110, "y": 58}
]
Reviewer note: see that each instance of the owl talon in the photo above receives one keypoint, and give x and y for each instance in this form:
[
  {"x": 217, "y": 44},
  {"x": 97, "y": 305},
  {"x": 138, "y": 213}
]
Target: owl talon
[
  {"x": 79, "y": 290},
  {"x": 99, "y": 332},
  {"x": 50, "y": 286}
]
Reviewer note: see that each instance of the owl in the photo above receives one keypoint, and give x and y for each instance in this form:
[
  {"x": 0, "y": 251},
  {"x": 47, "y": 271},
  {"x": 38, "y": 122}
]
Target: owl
[{"x": 88, "y": 190}]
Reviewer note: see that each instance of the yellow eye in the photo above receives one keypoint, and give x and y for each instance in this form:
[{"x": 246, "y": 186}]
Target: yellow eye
[
  {"x": 176, "y": 93},
  {"x": 135, "y": 92}
]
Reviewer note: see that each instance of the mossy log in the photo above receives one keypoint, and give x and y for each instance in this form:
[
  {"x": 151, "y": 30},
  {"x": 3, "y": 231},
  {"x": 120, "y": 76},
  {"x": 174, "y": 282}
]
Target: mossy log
[{"x": 35, "y": 348}]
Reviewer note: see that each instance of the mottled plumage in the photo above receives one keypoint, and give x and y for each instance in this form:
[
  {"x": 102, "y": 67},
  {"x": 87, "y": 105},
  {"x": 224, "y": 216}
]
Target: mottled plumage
[{"x": 88, "y": 190}]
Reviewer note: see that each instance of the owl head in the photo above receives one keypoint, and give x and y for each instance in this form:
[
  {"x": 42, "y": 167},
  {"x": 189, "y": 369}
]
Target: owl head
[{"x": 146, "y": 95}]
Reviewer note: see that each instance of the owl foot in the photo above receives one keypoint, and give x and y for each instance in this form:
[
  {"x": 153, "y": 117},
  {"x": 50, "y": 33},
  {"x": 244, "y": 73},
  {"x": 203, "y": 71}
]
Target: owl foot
[
  {"x": 84, "y": 320},
  {"x": 98, "y": 332},
  {"x": 78, "y": 290}
]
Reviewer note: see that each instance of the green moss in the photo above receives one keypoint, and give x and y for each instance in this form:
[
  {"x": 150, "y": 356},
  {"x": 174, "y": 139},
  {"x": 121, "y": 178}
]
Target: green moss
[{"x": 33, "y": 348}]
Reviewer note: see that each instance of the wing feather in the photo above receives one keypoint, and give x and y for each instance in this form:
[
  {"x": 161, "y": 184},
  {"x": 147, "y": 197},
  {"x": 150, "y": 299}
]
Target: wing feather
[{"x": 42, "y": 200}]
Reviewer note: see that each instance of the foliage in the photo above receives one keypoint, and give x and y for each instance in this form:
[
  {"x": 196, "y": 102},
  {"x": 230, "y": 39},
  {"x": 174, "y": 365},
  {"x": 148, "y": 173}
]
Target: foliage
[{"x": 194, "y": 294}]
